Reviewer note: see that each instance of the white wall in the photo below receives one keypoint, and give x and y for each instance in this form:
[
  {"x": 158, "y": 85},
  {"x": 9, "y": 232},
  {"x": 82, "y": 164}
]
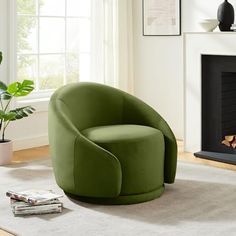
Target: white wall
[{"x": 158, "y": 61}]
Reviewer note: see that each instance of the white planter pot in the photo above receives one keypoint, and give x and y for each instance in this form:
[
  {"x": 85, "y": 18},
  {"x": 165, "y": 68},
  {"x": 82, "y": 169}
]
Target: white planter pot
[{"x": 5, "y": 153}]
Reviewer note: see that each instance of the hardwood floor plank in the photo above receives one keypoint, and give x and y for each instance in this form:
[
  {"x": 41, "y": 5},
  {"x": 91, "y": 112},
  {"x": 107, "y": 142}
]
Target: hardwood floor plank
[
  {"x": 187, "y": 156},
  {"x": 5, "y": 233},
  {"x": 31, "y": 154}
]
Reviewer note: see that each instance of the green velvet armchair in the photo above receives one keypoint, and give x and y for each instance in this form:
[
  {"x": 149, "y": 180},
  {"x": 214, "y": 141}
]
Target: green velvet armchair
[{"x": 108, "y": 146}]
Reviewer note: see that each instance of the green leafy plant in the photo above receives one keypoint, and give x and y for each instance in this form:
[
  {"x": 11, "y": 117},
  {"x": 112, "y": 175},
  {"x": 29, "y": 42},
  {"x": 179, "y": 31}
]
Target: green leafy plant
[{"x": 7, "y": 93}]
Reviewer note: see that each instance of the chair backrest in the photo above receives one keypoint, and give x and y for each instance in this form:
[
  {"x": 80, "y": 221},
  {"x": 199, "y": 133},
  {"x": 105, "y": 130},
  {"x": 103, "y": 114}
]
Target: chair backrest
[{"x": 89, "y": 104}]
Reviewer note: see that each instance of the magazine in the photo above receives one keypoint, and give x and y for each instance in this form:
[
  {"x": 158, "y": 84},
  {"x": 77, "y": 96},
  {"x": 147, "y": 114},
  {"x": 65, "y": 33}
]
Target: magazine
[
  {"x": 33, "y": 196},
  {"x": 38, "y": 208},
  {"x": 20, "y": 205},
  {"x": 57, "y": 209}
]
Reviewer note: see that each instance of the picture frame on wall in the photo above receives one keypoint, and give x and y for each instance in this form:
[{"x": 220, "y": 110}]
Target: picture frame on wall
[{"x": 161, "y": 17}]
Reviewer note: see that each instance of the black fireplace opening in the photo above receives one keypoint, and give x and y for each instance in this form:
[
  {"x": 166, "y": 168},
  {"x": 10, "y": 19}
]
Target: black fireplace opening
[
  {"x": 228, "y": 105},
  {"x": 218, "y": 107}
]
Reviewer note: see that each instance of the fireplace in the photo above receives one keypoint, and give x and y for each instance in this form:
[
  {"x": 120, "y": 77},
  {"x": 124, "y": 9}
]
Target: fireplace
[{"x": 218, "y": 108}]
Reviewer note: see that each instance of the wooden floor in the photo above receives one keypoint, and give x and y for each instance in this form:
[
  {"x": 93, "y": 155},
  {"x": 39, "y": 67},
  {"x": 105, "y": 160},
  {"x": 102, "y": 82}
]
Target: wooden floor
[
  {"x": 5, "y": 233},
  {"x": 43, "y": 153},
  {"x": 186, "y": 156},
  {"x": 31, "y": 154}
]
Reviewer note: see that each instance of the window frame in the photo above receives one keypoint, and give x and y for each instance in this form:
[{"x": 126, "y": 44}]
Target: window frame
[{"x": 39, "y": 98}]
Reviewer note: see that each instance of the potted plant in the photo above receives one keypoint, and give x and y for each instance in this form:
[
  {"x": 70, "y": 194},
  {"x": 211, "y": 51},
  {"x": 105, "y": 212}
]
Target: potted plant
[{"x": 7, "y": 93}]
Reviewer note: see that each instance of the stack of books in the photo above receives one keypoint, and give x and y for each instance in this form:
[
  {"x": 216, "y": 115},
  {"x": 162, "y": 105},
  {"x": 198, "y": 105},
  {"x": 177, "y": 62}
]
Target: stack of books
[
  {"x": 233, "y": 27},
  {"x": 33, "y": 202}
]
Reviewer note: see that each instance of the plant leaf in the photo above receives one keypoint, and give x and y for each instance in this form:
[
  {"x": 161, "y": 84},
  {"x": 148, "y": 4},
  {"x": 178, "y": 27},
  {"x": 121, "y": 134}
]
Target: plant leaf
[
  {"x": 5, "y": 95},
  {"x": 3, "y": 91},
  {"x": 9, "y": 116},
  {"x": 6, "y": 116},
  {"x": 18, "y": 89},
  {"x": 3, "y": 86},
  {"x": 13, "y": 88},
  {"x": 1, "y": 114},
  {"x": 1, "y": 58},
  {"x": 22, "y": 112}
]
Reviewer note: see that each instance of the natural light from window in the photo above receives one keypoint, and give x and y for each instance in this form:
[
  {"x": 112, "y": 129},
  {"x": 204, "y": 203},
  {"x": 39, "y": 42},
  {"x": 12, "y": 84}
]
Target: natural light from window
[{"x": 53, "y": 42}]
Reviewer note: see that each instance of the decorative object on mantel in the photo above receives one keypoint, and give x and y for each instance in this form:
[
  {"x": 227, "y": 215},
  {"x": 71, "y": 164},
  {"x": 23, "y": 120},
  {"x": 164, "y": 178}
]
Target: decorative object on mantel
[
  {"x": 209, "y": 25},
  {"x": 225, "y": 16}
]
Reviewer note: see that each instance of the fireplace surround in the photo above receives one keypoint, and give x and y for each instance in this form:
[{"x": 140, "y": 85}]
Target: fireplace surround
[
  {"x": 218, "y": 98},
  {"x": 216, "y": 47}
]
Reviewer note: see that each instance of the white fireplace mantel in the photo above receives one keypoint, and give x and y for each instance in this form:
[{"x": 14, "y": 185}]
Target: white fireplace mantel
[{"x": 195, "y": 45}]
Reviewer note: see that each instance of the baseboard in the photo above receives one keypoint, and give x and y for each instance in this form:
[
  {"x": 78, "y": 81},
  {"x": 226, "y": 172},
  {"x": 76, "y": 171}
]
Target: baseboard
[{"x": 31, "y": 142}]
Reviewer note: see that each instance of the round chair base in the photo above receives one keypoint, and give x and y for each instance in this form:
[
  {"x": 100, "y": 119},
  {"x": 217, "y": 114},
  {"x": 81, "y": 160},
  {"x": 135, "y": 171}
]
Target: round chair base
[{"x": 121, "y": 200}]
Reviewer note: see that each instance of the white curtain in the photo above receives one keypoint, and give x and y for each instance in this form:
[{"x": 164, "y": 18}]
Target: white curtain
[
  {"x": 112, "y": 54},
  {"x": 125, "y": 46}
]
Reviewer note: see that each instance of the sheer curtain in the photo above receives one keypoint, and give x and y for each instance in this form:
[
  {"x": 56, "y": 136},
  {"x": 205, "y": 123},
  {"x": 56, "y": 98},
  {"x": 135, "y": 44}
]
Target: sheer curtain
[
  {"x": 112, "y": 55},
  {"x": 125, "y": 46}
]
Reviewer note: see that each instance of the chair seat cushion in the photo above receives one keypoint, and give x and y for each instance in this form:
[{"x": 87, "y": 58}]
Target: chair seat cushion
[{"x": 140, "y": 150}]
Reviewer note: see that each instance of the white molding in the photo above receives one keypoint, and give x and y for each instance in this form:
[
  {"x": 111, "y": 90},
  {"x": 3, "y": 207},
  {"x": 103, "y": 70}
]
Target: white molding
[
  {"x": 40, "y": 105},
  {"x": 4, "y": 42},
  {"x": 36, "y": 94},
  {"x": 30, "y": 142},
  {"x": 184, "y": 90},
  {"x": 12, "y": 60},
  {"x": 196, "y": 45},
  {"x": 210, "y": 33}
]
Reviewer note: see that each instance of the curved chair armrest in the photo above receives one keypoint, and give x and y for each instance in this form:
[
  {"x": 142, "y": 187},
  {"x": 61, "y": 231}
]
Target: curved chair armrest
[
  {"x": 137, "y": 112},
  {"x": 81, "y": 166}
]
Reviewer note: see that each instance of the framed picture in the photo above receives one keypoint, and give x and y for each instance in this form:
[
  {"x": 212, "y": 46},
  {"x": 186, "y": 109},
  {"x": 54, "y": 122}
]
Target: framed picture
[{"x": 161, "y": 17}]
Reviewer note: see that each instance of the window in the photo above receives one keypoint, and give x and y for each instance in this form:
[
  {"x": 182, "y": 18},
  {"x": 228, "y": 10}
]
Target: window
[{"x": 53, "y": 42}]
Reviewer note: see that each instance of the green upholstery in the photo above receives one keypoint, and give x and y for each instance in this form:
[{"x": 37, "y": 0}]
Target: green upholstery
[{"x": 108, "y": 146}]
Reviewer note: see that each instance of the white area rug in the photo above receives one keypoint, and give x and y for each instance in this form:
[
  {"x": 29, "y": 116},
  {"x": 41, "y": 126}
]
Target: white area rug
[{"x": 201, "y": 202}]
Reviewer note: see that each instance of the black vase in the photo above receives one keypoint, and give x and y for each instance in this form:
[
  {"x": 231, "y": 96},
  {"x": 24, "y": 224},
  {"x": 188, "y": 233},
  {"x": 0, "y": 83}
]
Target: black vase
[{"x": 225, "y": 16}]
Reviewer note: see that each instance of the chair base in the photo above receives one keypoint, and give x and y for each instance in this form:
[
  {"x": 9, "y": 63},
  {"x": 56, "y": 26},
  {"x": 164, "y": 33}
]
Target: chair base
[{"x": 121, "y": 200}]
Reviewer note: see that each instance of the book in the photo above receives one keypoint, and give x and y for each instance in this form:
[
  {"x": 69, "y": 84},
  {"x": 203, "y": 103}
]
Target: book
[
  {"x": 23, "y": 208},
  {"x": 20, "y": 205},
  {"x": 38, "y": 208},
  {"x": 33, "y": 196},
  {"x": 36, "y": 211},
  {"x": 32, "y": 202}
]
